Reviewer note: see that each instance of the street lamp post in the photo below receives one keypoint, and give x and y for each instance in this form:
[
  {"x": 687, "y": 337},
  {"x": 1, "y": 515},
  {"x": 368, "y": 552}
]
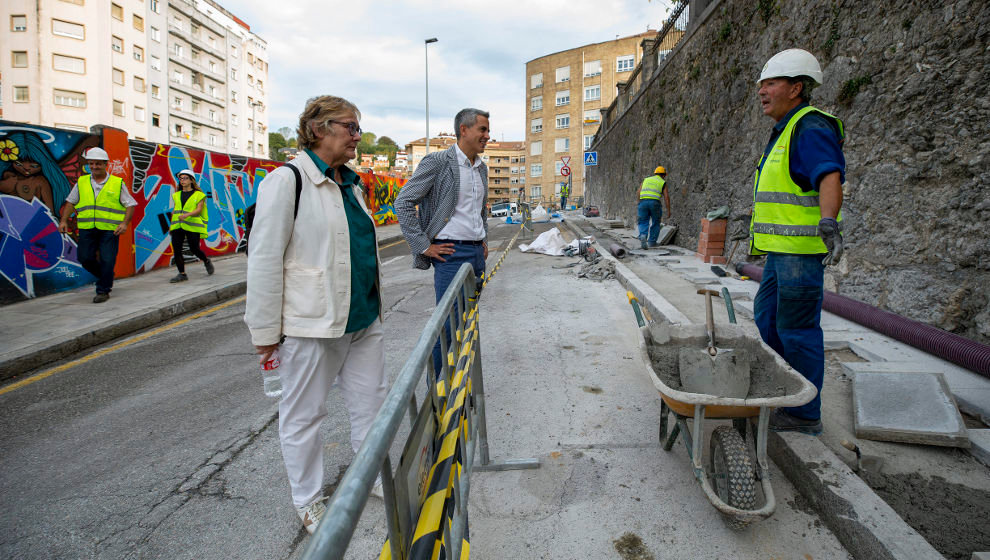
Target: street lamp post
[{"x": 426, "y": 49}]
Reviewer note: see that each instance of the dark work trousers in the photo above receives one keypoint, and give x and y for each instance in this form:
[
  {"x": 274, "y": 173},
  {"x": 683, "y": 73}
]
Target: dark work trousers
[
  {"x": 788, "y": 312},
  {"x": 180, "y": 236},
  {"x": 443, "y": 274},
  {"x": 98, "y": 255}
]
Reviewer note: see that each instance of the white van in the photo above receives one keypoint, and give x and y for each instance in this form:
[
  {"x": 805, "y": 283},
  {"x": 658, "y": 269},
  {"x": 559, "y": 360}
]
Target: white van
[{"x": 503, "y": 209}]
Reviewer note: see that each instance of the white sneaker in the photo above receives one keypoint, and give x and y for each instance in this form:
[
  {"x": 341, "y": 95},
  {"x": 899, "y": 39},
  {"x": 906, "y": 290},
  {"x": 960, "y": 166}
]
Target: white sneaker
[
  {"x": 377, "y": 490},
  {"x": 311, "y": 514}
]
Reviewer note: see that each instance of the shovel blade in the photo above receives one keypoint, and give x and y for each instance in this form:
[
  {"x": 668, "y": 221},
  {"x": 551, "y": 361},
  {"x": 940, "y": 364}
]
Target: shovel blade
[{"x": 726, "y": 374}]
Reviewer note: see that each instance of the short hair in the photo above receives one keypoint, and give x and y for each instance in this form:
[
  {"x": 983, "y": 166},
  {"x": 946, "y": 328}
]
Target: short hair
[
  {"x": 808, "y": 84},
  {"x": 467, "y": 117},
  {"x": 317, "y": 114}
]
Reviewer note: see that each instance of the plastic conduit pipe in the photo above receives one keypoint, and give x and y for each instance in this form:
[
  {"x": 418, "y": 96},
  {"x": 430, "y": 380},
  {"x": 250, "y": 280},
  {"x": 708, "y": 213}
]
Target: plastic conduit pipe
[{"x": 959, "y": 350}]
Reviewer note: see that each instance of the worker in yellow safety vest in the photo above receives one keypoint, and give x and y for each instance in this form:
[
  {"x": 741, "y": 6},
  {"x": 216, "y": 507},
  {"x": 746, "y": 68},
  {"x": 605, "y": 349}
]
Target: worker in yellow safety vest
[
  {"x": 649, "y": 208},
  {"x": 189, "y": 221},
  {"x": 796, "y": 222},
  {"x": 104, "y": 207}
]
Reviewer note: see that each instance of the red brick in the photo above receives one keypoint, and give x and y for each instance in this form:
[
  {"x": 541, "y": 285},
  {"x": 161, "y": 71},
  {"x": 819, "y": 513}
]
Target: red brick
[
  {"x": 708, "y": 237},
  {"x": 714, "y": 226},
  {"x": 711, "y": 247},
  {"x": 717, "y": 259}
]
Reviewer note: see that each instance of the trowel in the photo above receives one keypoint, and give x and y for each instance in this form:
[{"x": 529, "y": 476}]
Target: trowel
[
  {"x": 713, "y": 371},
  {"x": 870, "y": 463}
]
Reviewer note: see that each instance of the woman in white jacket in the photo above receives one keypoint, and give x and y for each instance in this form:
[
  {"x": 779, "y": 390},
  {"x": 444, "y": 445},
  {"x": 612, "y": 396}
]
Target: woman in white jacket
[{"x": 313, "y": 293}]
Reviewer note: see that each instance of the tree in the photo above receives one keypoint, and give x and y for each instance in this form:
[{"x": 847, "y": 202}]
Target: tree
[
  {"x": 367, "y": 144},
  {"x": 287, "y": 133},
  {"x": 388, "y": 146},
  {"x": 275, "y": 143}
]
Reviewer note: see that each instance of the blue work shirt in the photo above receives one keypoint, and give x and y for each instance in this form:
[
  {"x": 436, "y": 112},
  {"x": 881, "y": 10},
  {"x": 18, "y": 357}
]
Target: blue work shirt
[
  {"x": 364, "y": 255},
  {"x": 816, "y": 148}
]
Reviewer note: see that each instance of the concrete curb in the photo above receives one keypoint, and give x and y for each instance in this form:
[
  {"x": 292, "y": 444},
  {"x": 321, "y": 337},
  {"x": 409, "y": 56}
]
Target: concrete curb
[{"x": 865, "y": 525}]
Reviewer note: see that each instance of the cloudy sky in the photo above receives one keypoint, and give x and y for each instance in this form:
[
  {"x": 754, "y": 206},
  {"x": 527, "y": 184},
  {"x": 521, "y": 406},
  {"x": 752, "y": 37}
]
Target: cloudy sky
[{"x": 372, "y": 54}]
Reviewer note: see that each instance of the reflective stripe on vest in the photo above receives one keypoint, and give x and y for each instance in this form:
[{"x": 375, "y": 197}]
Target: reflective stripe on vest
[
  {"x": 651, "y": 188},
  {"x": 195, "y": 224},
  {"x": 103, "y": 211},
  {"x": 785, "y": 218}
]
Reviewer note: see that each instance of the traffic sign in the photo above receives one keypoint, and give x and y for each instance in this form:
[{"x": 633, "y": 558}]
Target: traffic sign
[
  {"x": 565, "y": 159},
  {"x": 591, "y": 158},
  {"x": 565, "y": 171}
]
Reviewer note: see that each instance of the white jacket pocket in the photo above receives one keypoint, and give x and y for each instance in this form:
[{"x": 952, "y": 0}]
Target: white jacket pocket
[{"x": 304, "y": 293}]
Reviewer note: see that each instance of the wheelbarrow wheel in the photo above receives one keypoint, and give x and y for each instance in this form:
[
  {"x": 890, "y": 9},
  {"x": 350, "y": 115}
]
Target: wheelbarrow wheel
[{"x": 733, "y": 474}]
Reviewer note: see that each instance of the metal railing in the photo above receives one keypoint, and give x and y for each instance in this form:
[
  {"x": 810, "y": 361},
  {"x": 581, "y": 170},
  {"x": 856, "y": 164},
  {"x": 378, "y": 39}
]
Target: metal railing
[{"x": 455, "y": 410}]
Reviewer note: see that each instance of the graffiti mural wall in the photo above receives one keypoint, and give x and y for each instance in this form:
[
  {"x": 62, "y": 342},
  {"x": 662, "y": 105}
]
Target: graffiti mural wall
[{"x": 40, "y": 165}]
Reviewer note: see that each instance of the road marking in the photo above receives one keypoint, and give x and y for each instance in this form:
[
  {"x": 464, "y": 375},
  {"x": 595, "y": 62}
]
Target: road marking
[
  {"x": 392, "y": 244},
  {"x": 118, "y": 346},
  {"x": 392, "y": 260}
]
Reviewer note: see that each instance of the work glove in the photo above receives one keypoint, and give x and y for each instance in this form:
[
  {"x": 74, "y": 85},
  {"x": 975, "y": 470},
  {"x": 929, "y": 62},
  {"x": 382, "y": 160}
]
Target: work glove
[{"x": 828, "y": 230}]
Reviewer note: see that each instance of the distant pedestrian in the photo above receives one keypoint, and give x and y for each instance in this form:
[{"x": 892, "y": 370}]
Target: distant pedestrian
[
  {"x": 313, "y": 293},
  {"x": 796, "y": 223},
  {"x": 189, "y": 220},
  {"x": 565, "y": 191},
  {"x": 450, "y": 189},
  {"x": 105, "y": 207},
  {"x": 649, "y": 208}
]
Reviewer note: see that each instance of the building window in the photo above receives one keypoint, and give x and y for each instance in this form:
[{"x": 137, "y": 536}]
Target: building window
[
  {"x": 587, "y": 141},
  {"x": 156, "y": 63},
  {"x": 177, "y": 102},
  {"x": 625, "y": 63},
  {"x": 563, "y": 74},
  {"x": 561, "y": 144},
  {"x": 18, "y": 23},
  {"x": 117, "y": 11},
  {"x": 213, "y": 139},
  {"x": 593, "y": 93},
  {"x": 233, "y": 96},
  {"x": 563, "y": 97},
  {"x": 68, "y": 29},
  {"x": 194, "y": 106},
  {"x": 139, "y": 114},
  {"x": 536, "y": 170},
  {"x": 156, "y": 35},
  {"x": 139, "y": 84},
  {"x": 558, "y": 167},
  {"x": 195, "y": 132},
  {"x": 176, "y": 23},
  {"x": 233, "y": 73},
  {"x": 118, "y": 108},
  {"x": 72, "y": 64},
  {"x": 234, "y": 120},
  {"x": 592, "y": 68},
  {"x": 138, "y": 53},
  {"x": 67, "y": 98},
  {"x": 535, "y": 148},
  {"x": 563, "y": 121},
  {"x": 177, "y": 129},
  {"x": 535, "y": 104},
  {"x": 21, "y": 94},
  {"x": 536, "y": 80},
  {"x": 213, "y": 92},
  {"x": 178, "y": 50},
  {"x": 154, "y": 6},
  {"x": 177, "y": 76},
  {"x": 234, "y": 51},
  {"x": 156, "y": 92},
  {"x": 118, "y": 76},
  {"x": 156, "y": 120},
  {"x": 213, "y": 115},
  {"x": 592, "y": 116},
  {"x": 213, "y": 66},
  {"x": 233, "y": 143},
  {"x": 117, "y": 44},
  {"x": 536, "y": 125},
  {"x": 138, "y": 22},
  {"x": 19, "y": 59}
]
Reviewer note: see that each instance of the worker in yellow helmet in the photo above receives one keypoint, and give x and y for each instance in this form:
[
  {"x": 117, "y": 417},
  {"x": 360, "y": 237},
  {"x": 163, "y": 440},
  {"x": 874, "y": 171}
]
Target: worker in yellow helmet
[
  {"x": 796, "y": 223},
  {"x": 649, "y": 209}
]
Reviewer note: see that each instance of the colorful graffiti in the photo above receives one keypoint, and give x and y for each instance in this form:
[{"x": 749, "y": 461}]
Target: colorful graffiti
[{"x": 39, "y": 166}]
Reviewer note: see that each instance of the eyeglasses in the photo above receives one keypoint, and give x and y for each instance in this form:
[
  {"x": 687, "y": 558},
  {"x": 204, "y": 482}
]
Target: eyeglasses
[{"x": 352, "y": 128}]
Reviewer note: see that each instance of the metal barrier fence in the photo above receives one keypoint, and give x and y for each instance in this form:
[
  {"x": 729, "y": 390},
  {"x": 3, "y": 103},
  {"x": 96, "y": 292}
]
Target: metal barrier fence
[{"x": 426, "y": 498}]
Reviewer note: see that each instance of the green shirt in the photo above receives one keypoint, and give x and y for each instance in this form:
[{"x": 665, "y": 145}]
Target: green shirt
[{"x": 364, "y": 260}]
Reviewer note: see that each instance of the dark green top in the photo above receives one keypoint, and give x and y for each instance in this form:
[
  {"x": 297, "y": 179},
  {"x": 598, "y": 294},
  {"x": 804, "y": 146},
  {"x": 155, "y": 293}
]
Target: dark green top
[{"x": 364, "y": 261}]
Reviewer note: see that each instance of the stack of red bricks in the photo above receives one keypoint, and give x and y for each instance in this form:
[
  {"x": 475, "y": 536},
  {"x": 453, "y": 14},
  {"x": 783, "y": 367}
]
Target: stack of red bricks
[{"x": 711, "y": 243}]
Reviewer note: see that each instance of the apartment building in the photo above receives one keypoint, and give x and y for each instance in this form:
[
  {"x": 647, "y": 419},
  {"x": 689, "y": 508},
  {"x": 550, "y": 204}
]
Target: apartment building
[
  {"x": 184, "y": 72},
  {"x": 417, "y": 148},
  {"x": 506, "y": 163},
  {"x": 565, "y": 92}
]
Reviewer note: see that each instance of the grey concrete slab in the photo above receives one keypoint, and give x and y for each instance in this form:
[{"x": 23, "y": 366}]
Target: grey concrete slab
[
  {"x": 980, "y": 445},
  {"x": 702, "y": 278},
  {"x": 734, "y": 291},
  {"x": 981, "y": 556},
  {"x": 666, "y": 232},
  {"x": 907, "y": 408}
]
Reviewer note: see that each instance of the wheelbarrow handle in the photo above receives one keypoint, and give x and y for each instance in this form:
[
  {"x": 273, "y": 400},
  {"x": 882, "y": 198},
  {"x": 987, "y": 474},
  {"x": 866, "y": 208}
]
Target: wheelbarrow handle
[{"x": 636, "y": 308}]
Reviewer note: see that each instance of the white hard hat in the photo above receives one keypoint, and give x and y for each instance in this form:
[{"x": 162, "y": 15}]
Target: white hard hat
[
  {"x": 97, "y": 154},
  {"x": 791, "y": 64},
  {"x": 187, "y": 172}
]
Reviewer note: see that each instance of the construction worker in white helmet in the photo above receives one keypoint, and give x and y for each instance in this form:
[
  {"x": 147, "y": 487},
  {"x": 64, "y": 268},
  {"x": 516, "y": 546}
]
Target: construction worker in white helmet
[
  {"x": 104, "y": 208},
  {"x": 796, "y": 222},
  {"x": 649, "y": 209}
]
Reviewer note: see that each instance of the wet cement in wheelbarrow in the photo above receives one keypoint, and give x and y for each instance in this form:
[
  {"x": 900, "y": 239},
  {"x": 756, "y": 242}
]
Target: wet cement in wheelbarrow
[{"x": 766, "y": 380}]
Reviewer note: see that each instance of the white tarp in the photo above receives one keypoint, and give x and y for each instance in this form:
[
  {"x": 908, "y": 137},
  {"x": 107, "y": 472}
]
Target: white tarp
[
  {"x": 540, "y": 214},
  {"x": 549, "y": 242}
]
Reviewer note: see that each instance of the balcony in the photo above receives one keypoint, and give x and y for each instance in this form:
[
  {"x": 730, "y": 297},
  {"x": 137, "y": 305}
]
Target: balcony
[
  {"x": 194, "y": 40},
  {"x": 196, "y": 91},
  {"x": 197, "y": 67},
  {"x": 197, "y": 118}
]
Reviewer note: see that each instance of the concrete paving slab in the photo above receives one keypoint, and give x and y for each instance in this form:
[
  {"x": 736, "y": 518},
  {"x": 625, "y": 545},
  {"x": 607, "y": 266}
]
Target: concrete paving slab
[
  {"x": 907, "y": 408},
  {"x": 734, "y": 292},
  {"x": 981, "y": 556},
  {"x": 702, "y": 278},
  {"x": 866, "y": 351},
  {"x": 666, "y": 232}
]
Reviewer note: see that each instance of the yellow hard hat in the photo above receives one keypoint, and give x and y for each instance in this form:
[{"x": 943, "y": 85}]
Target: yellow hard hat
[{"x": 660, "y": 170}]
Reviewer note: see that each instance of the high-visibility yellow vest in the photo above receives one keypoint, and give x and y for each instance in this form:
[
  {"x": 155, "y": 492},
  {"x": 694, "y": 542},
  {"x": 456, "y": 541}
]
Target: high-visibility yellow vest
[
  {"x": 195, "y": 224},
  {"x": 101, "y": 212},
  {"x": 652, "y": 188},
  {"x": 785, "y": 218}
]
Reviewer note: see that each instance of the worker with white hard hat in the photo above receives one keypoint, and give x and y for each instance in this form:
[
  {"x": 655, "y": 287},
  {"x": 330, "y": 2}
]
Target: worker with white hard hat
[
  {"x": 796, "y": 222},
  {"x": 190, "y": 218},
  {"x": 104, "y": 207}
]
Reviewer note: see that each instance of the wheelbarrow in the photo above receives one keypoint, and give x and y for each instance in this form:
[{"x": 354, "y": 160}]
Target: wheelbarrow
[{"x": 731, "y": 481}]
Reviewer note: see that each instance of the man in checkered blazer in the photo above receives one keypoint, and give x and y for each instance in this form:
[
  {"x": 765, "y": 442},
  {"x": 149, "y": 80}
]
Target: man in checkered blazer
[{"x": 451, "y": 190}]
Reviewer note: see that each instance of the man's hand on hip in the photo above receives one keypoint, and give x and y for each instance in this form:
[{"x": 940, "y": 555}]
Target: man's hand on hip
[
  {"x": 828, "y": 229},
  {"x": 436, "y": 250},
  {"x": 485, "y": 245}
]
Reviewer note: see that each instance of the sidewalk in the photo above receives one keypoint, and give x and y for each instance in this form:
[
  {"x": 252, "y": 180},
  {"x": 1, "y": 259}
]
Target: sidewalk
[{"x": 46, "y": 329}]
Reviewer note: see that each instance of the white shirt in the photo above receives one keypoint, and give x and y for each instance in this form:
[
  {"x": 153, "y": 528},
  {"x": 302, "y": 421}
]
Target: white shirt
[
  {"x": 466, "y": 223},
  {"x": 125, "y": 196}
]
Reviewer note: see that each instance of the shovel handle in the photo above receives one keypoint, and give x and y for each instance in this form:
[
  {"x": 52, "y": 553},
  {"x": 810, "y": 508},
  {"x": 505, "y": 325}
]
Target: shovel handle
[{"x": 709, "y": 319}]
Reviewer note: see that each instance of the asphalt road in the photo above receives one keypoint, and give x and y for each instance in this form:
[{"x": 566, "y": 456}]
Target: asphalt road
[{"x": 167, "y": 448}]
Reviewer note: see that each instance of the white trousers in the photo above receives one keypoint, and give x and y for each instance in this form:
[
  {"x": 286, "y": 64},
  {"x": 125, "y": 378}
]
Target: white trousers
[{"x": 309, "y": 367}]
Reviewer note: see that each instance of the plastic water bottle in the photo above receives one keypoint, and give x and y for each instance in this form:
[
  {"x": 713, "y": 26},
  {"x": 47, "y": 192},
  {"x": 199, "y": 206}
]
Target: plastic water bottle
[{"x": 269, "y": 370}]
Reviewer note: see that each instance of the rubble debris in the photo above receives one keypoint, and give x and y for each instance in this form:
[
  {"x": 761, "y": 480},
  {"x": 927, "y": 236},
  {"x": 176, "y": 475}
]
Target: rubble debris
[{"x": 602, "y": 269}]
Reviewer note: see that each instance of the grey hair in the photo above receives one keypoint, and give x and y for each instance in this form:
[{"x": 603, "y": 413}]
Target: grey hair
[
  {"x": 467, "y": 117},
  {"x": 808, "y": 84}
]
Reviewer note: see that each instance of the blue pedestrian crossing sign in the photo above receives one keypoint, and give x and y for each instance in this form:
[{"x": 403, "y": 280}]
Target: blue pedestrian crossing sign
[{"x": 591, "y": 158}]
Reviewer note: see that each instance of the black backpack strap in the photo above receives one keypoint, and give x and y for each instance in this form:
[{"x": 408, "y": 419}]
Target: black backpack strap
[{"x": 295, "y": 171}]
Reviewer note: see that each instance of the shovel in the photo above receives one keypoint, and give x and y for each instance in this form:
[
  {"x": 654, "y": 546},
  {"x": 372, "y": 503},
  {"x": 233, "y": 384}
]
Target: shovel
[{"x": 714, "y": 371}]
